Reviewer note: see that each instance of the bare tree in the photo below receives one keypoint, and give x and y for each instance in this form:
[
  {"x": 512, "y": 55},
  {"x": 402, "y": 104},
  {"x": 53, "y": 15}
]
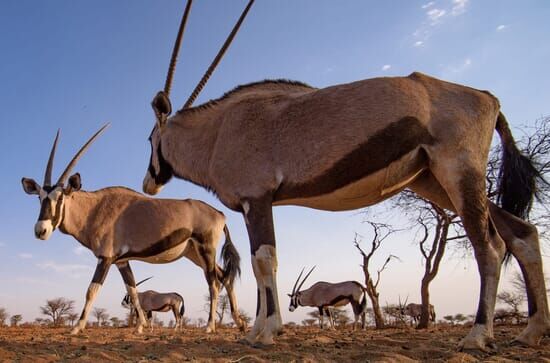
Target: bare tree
[
  {"x": 100, "y": 314},
  {"x": 247, "y": 319},
  {"x": 308, "y": 322},
  {"x": 58, "y": 309},
  {"x": 15, "y": 319},
  {"x": 222, "y": 308},
  {"x": 514, "y": 301},
  {"x": 200, "y": 322},
  {"x": 340, "y": 316},
  {"x": 381, "y": 232},
  {"x": 115, "y": 322},
  {"x": 3, "y": 316},
  {"x": 315, "y": 315},
  {"x": 72, "y": 317}
]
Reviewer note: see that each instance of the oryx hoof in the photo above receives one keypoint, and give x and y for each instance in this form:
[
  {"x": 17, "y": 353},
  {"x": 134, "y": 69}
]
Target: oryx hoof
[
  {"x": 477, "y": 344},
  {"x": 529, "y": 337},
  {"x": 210, "y": 329},
  {"x": 139, "y": 329}
]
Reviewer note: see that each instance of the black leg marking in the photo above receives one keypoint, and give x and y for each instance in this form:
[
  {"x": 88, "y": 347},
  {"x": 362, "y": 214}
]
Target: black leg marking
[
  {"x": 260, "y": 223},
  {"x": 258, "y": 303},
  {"x": 270, "y": 301},
  {"x": 127, "y": 274},
  {"x": 101, "y": 271}
]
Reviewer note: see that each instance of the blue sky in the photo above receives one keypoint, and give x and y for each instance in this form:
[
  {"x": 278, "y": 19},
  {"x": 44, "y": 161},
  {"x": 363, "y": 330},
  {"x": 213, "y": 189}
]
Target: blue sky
[{"x": 75, "y": 65}]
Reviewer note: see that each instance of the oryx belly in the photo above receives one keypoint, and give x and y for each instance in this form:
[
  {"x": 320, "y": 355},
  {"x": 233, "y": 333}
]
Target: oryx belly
[
  {"x": 168, "y": 255},
  {"x": 370, "y": 189}
]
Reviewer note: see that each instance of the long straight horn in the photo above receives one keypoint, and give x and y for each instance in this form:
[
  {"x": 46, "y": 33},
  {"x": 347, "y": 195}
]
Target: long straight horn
[
  {"x": 297, "y": 280},
  {"x": 49, "y": 167},
  {"x": 73, "y": 162},
  {"x": 305, "y": 278},
  {"x": 175, "y": 51},
  {"x": 142, "y": 281},
  {"x": 217, "y": 59}
]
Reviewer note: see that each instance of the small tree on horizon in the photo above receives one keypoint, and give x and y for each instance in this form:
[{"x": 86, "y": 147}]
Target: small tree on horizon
[
  {"x": 3, "y": 316},
  {"x": 101, "y": 315},
  {"x": 15, "y": 319},
  {"x": 58, "y": 309}
]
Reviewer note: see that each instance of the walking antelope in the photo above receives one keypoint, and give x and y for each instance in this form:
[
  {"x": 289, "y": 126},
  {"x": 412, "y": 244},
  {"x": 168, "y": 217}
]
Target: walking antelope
[
  {"x": 415, "y": 310},
  {"x": 151, "y": 301},
  {"x": 324, "y": 295},
  {"x": 350, "y": 146},
  {"x": 118, "y": 225}
]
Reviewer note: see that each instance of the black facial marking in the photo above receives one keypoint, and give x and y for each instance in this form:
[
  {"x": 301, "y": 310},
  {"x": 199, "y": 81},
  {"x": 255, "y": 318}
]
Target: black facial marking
[
  {"x": 46, "y": 212},
  {"x": 381, "y": 149},
  {"x": 258, "y": 303},
  {"x": 270, "y": 301},
  {"x": 165, "y": 173},
  {"x": 166, "y": 243}
]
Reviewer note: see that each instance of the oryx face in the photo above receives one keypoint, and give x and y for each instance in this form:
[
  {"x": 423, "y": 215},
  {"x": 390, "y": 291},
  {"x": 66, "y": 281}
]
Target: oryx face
[
  {"x": 293, "y": 301},
  {"x": 126, "y": 302},
  {"x": 52, "y": 199},
  {"x": 159, "y": 171}
]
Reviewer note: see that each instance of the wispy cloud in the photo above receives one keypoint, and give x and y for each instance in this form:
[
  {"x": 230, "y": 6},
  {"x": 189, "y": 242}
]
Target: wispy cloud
[
  {"x": 73, "y": 270},
  {"x": 25, "y": 256},
  {"x": 501, "y": 27},
  {"x": 34, "y": 281},
  {"x": 460, "y": 67},
  {"x": 386, "y": 67},
  {"x": 418, "y": 43},
  {"x": 428, "y": 5},
  {"x": 435, "y": 15},
  {"x": 459, "y": 7}
]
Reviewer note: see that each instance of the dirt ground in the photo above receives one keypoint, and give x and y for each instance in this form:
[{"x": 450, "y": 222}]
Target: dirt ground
[{"x": 40, "y": 344}]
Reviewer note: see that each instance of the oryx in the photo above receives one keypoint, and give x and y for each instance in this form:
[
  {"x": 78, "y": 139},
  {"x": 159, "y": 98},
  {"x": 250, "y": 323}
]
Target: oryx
[
  {"x": 324, "y": 295},
  {"x": 118, "y": 225},
  {"x": 415, "y": 310},
  {"x": 350, "y": 146},
  {"x": 151, "y": 301}
]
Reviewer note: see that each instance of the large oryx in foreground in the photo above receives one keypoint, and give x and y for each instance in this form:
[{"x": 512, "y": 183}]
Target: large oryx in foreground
[
  {"x": 415, "y": 310},
  {"x": 118, "y": 225},
  {"x": 350, "y": 146},
  {"x": 324, "y": 295},
  {"x": 151, "y": 301}
]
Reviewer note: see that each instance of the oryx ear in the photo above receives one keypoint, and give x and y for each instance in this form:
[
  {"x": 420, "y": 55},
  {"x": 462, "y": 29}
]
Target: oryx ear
[
  {"x": 162, "y": 106},
  {"x": 74, "y": 183},
  {"x": 30, "y": 186}
]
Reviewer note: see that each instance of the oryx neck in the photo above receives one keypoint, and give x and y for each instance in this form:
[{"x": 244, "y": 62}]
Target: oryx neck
[
  {"x": 188, "y": 141},
  {"x": 79, "y": 209}
]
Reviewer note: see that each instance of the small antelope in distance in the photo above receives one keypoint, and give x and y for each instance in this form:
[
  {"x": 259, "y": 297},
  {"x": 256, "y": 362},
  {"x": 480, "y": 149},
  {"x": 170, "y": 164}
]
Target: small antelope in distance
[
  {"x": 118, "y": 225},
  {"x": 151, "y": 301},
  {"x": 415, "y": 310},
  {"x": 324, "y": 295}
]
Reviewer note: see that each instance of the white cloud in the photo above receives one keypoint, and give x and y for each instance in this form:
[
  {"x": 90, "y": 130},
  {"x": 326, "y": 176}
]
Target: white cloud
[
  {"x": 459, "y": 7},
  {"x": 461, "y": 67},
  {"x": 428, "y": 5},
  {"x": 74, "y": 270},
  {"x": 25, "y": 255},
  {"x": 385, "y": 67},
  {"x": 435, "y": 15},
  {"x": 501, "y": 27},
  {"x": 418, "y": 43}
]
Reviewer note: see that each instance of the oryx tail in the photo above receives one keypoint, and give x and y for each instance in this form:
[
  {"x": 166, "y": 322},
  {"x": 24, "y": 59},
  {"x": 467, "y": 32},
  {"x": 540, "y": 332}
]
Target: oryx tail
[{"x": 230, "y": 258}]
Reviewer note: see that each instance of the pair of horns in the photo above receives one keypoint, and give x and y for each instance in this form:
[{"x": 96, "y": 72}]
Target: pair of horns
[
  {"x": 65, "y": 175},
  {"x": 294, "y": 289},
  {"x": 212, "y": 67},
  {"x": 142, "y": 281}
]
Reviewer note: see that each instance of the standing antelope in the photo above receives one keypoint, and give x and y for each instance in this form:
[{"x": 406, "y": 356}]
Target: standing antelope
[
  {"x": 151, "y": 301},
  {"x": 118, "y": 225},
  {"x": 415, "y": 310},
  {"x": 350, "y": 146},
  {"x": 324, "y": 295}
]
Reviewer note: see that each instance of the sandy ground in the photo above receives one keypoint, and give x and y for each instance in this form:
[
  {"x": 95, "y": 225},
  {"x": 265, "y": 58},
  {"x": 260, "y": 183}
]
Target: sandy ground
[{"x": 39, "y": 344}]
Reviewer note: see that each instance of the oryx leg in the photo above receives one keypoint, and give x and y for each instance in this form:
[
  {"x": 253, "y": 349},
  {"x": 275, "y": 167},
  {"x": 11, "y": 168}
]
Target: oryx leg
[
  {"x": 464, "y": 181},
  {"x": 175, "y": 311},
  {"x": 522, "y": 241},
  {"x": 234, "y": 307},
  {"x": 259, "y": 222},
  {"x": 321, "y": 317},
  {"x": 150, "y": 320},
  {"x": 209, "y": 255},
  {"x": 330, "y": 317},
  {"x": 356, "y": 307},
  {"x": 130, "y": 283},
  {"x": 101, "y": 271}
]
